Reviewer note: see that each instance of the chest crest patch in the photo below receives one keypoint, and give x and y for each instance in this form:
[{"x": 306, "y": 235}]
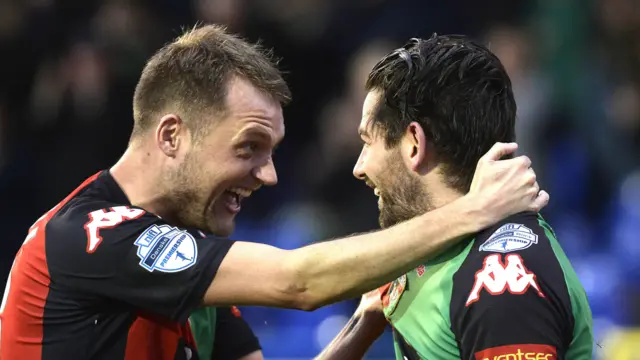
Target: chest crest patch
[{"x": 392, "y": 297}]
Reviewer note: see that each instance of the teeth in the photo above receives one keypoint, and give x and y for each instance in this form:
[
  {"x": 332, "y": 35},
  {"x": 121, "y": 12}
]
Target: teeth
[
  {"x": 376, "y": 191},
  {"x": 241, "y": 192}
]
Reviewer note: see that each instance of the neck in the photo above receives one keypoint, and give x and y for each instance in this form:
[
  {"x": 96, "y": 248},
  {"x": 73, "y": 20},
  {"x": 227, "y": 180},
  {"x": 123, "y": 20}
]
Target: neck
[
  {"x": 440, "y": 194},
  {"x": 138, "y": 179}
]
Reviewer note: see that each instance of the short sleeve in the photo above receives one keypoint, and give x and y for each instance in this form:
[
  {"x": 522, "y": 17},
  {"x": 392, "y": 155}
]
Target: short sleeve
[
  {"x": 126, "y": 255},
  {"x": 509, "y": 297}
]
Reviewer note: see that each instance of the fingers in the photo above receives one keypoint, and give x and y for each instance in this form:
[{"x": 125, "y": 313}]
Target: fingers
[
  {"x": 541, "y": 201},
  {"x": 530, "y": 178},
  {"x": 517, "y": 163},
  {"x": 507, "y": 186},
  {"x": 524, "y": 161},
  {"x": 499, "y": 150},
  {"x": 535, "y": 190}
]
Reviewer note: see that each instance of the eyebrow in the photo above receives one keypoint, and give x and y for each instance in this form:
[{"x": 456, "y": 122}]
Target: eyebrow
[
  {"x": 255, "y": 131},
  {"x": 262, "y": 134}
]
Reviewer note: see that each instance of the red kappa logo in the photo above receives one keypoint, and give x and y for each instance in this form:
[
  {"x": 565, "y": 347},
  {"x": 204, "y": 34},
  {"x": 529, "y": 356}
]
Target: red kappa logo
[{"x": 496, "y": 277}]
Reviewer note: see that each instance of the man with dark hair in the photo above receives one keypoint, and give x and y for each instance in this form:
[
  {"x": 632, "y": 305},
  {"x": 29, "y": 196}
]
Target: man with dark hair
[
  {"x": 99, "y": 275},
  {"x": 507, "y": 292}
]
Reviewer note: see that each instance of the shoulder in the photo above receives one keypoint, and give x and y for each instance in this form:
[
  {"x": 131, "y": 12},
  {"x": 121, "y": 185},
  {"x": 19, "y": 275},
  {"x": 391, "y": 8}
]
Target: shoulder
[
  {"x": 520, "y": 239},
  {"x": 510, "y": 292},
  {"x": 92, "y": 220},
  {"x": 91, "y": 233},
  {"x": 511, "y": 265},
  {"x": 517, "y": 233}
]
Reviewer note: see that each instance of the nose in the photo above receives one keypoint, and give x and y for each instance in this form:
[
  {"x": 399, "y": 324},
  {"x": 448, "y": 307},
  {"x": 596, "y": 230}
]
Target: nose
[
  {"x": 266, "y": 173},
  {"x": 358, "y": 169}
]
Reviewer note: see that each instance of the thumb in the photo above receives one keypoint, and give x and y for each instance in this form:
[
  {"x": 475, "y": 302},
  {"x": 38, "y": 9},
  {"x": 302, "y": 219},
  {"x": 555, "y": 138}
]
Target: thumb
[{"x": 499, "y": 150}]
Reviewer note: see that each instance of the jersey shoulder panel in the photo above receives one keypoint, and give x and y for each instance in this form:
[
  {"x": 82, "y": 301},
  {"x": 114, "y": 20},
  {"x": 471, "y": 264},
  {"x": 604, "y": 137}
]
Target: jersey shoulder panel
[
  {"x": 511, "y": 290},
  {"x": 87, "y": 223},
  {"x": 99, "y": 246}
]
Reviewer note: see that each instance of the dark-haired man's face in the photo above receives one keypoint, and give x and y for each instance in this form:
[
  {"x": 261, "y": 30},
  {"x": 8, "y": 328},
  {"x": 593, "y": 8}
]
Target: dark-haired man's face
[{"x": 401, "y": 195}]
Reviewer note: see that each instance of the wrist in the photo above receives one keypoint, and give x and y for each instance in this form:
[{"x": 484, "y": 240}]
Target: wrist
[
  {"x": 372, "y": 324},
  {"x": 473, "y": 212}
]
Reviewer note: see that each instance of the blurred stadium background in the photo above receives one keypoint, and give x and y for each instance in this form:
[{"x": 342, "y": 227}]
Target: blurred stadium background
[{"x": 69, "y": 68}]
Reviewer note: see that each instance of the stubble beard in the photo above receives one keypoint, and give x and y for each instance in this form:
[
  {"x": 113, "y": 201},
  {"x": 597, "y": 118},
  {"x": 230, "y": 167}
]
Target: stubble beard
[
  {"x": 185, "y": 198},
  {"x": 403, "y": 195}
]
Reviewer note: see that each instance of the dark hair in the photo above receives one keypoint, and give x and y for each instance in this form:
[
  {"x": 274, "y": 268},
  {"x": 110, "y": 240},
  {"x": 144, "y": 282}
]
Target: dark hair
[
  {"x": 192, "y": 74},
  {"x": 456, "y": 89}
]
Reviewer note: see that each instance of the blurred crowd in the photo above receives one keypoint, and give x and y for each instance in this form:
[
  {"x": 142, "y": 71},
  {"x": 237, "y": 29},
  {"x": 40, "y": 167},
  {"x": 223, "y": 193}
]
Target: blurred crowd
[{"x": 69, "y": 68}]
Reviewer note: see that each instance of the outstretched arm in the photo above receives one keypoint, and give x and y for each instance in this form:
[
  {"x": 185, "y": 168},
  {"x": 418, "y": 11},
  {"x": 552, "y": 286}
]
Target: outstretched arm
[
  {"x": 365, "y": 326},
  {"x": 124, "y": 253},
  {"x": 327, "y": 272},
  {"x": 353, "y": 342}
]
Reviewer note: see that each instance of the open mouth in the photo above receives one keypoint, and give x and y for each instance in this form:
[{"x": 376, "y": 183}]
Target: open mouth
[
  {"x": 376, "y": 191},
  {"x": 233, "y": 198}
]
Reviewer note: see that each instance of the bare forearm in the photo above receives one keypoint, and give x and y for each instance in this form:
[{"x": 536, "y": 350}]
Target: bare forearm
[
  {"x": 307, "y": 278},
  {"x": 353, "y": 342},
  {"x": 336, "y": 270}
]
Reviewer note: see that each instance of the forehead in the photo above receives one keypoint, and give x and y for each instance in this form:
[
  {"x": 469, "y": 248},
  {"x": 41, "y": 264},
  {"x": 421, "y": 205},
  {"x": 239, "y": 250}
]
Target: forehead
[
  {"x": 369, "y": 110},
  {"x": 251, "y": 110}
]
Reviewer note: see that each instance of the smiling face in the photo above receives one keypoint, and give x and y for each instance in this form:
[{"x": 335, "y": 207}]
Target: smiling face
[
  {"x": 401, "y": 195},
  {"x": 233, "y": 159}
]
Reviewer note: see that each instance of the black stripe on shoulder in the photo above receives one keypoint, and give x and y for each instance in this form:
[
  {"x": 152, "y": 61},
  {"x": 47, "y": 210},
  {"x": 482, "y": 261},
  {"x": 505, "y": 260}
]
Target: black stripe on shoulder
[{"x": 511, "y": 290}]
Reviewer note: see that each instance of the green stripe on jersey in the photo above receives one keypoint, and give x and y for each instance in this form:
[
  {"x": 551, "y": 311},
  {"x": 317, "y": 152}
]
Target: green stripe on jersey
[
  {"x": 581, "y": 346},
  {"x": 423, "y": 314},
  {"x": 203, "y": 326}
]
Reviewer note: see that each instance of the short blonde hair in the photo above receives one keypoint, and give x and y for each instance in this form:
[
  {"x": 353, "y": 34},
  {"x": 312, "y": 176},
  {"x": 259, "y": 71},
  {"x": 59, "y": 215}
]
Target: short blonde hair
[{"x": 192, "y": 73}]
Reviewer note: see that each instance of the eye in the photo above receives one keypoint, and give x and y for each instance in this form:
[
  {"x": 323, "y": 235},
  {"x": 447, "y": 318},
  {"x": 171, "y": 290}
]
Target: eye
[
  {"x": 247, "y": 149},
  {"x": 252, "y": 146}
]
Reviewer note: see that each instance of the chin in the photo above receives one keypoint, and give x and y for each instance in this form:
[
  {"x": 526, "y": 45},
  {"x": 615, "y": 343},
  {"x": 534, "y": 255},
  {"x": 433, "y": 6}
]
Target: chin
[{"x": 222, "y": 229}]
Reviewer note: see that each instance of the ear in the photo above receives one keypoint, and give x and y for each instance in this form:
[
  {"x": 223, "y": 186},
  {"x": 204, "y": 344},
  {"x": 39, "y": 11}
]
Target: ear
[
  {"x": 170, "y": 134},
  {"x": 415, "y": 146}
]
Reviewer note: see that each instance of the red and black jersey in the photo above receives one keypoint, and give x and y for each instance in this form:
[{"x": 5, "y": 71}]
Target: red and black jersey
[{"x": 98, "y": 278}]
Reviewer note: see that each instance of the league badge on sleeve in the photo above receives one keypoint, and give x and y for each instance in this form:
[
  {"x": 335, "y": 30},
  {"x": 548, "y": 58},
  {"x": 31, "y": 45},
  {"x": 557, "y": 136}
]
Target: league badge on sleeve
[
  {"x": 166, "y": 249},
  {"x": 508, "y": 238}
]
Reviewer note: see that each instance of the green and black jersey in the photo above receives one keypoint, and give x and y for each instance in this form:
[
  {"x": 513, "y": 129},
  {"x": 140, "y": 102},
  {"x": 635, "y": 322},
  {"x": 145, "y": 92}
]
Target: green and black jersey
[
  {"x": 221, "y": 334},
  {"x": 508, "y": 293}
]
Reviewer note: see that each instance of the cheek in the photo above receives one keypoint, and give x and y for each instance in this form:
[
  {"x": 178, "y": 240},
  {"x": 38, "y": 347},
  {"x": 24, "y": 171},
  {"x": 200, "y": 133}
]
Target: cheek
[
  {"x": 234, "y": 170},
  {"x": 367, "y": 160},
  {"x": 376, "y": 166}
]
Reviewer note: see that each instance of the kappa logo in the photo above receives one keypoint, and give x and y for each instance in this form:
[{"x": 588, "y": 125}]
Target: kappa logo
[
  {"x": 102, "y": 219},
  {"x": 166, "y": 249},
  {"x": 510, "y": 237},
  {"x": 496, "y": 277}
]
